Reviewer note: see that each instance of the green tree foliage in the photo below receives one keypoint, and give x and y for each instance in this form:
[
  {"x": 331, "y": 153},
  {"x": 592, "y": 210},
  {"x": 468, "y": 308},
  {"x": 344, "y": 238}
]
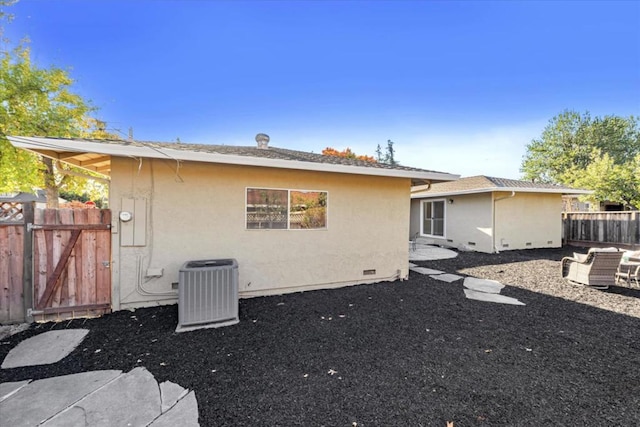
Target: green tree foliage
[
  {"x": 599, "y": 153},
  {"x": 37, "y": 102}
]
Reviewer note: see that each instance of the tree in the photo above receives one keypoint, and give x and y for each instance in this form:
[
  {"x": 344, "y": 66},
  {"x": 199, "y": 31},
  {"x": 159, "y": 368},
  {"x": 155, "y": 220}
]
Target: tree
[
  {"x": 37, "y": 101},
  {"x": 389, "y": 155},
  {"x": 594, "y": 153},
  {"x": 618, "y": 183},
  {"x": 347, "y": 153}
]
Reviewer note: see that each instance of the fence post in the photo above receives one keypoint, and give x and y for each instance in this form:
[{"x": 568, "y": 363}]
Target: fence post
[{"x": 27, "y": 260}]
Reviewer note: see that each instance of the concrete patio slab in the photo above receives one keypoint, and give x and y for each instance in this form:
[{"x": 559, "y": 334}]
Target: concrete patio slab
[
  {"x": 58, "y": 344},
  {"x": 489, "y": 297},
  {"x": 423, "y": 252}
]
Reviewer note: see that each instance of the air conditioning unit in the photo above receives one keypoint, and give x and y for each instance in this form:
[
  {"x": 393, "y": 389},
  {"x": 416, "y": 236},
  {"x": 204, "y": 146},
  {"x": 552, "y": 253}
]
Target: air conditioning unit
[{"x": 207, "y": 294}]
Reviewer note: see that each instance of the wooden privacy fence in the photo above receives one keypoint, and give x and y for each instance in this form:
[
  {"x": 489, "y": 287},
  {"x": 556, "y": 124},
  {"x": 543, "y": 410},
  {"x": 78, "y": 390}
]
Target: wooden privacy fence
[
  {"x": 12, "y": 242},
  {"x": 55, "y": 264},
  {"x": 620, "y": 229}
]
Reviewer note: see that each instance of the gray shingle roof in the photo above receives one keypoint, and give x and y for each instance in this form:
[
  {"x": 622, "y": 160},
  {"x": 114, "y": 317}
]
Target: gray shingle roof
[
  {"x": 268, "y": 153},
  {"x": 481, "y": 184}
]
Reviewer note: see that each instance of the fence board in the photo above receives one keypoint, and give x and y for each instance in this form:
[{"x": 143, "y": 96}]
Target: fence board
[
  {"x": 15, "y": 270},
  {"x": 11, "y": 274}
]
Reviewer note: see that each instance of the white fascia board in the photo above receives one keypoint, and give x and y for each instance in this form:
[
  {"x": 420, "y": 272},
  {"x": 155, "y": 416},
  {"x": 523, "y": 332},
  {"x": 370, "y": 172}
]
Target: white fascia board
[
  {"x": 196, "y": 156},
  {"x": 563, "y": 191}
]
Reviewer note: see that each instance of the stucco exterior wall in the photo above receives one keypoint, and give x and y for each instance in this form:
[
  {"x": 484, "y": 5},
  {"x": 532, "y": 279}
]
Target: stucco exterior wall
[
  {"x": 468, "y": 222},
  {"x": 528, "y": 220},
  {"x": 522, "y": 221},
  {"x": 198, "y": 212}
]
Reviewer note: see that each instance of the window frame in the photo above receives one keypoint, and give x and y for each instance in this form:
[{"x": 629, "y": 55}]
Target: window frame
[
  {"x": 288, "y": 214},
  {"x": 444, "y": 218}
]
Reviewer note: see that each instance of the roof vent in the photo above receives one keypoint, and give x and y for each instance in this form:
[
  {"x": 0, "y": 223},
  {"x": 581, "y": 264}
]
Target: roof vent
[{"x": 263, "y": 140}]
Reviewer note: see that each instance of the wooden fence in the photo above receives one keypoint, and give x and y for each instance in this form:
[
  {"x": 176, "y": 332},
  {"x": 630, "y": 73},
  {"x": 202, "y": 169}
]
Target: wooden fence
[
  {"x": 54, "y": 263},
  {"x": 621, "y": 229},
  {"x": 12, "y": 244}
]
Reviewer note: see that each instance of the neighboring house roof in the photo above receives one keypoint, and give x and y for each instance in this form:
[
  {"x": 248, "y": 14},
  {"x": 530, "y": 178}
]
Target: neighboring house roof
[
  {"x": 40, "y": 196},
  {"x": 487, "y": 184},
  {"x": 95, "y": 155}
]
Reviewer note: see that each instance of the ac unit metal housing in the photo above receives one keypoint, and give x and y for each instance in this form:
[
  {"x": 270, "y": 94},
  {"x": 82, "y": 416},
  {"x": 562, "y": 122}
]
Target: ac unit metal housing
[{"x": 207, "y": 294}]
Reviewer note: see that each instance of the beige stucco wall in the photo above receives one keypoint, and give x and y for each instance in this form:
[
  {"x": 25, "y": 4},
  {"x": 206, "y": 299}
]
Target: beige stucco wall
[
  {"x": 468, "y": 222},
  {"x": 199, "y": 213},
  {"x": 528, "y": 220},
  {"x": 522, "y": 221}
]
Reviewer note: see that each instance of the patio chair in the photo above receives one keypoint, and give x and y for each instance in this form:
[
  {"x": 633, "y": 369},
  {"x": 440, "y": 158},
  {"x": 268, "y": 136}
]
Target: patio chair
[
  {"x": 629, "y": 271},
  {"x": 596, "y": 269}
]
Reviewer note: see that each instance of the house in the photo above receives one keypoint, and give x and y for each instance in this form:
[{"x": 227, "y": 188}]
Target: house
[
  {"x": 489, "y": 214},
  {"x": 293, "y": 220}
]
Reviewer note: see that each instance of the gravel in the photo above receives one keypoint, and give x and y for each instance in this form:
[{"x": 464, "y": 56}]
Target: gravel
[{"x": 415, "y": 352}]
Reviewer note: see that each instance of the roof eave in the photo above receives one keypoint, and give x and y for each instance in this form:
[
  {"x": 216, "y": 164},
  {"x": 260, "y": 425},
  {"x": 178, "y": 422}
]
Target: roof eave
[
  {"x": 562, "y": 191},
  {"x": 45, "y": 147}
]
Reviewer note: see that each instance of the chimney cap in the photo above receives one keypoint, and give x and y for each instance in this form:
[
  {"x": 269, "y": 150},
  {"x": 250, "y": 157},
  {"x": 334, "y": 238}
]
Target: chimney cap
[{"x": 263, "y": 140}]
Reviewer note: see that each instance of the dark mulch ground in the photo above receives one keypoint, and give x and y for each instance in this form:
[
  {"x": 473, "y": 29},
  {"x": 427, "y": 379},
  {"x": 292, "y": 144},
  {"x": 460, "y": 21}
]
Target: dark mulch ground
[{"x": 413, "y": 353}]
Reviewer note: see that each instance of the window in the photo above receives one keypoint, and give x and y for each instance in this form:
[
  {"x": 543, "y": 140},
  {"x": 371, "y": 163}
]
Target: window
[
  {"x": 286, "y": 209},
  {"x": 433, "y": 218}
]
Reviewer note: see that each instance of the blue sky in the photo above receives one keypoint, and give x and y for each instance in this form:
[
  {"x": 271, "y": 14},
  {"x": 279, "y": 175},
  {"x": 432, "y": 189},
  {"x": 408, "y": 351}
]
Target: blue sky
[{"x": 460, "y": 87}]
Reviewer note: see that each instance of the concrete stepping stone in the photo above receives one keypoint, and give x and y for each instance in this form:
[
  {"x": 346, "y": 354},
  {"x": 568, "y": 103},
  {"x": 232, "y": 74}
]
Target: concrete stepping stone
[
  {"x": 39, "y": 400},
  {"x": 99, "y": 398},
  {"x": 8, "y": 389},
  {"x": 424, "y": 270},
  {"x": 184, "y": 413},
  {"x": 483, "y": 285},
  {"x": 43, "y": 349},
  {"x": 447, "y": 277},
  {"x": 170, "y": 394},
  {"x": 490, "y": 297},
  {"x": 131, "y": 399}
]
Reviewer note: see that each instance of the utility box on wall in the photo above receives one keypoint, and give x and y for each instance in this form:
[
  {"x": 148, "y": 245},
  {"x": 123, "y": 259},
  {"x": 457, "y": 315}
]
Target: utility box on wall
[{"x": 133, "y": 222}]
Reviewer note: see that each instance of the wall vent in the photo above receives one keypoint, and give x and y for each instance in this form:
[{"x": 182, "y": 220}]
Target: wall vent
[
  {"x": 528, "y": 244},
  {"x": 207, "y": 294},
  {"x": 505, "y": 245},
  {"x": 471, "y": 243},
  {"x": 549, "y": 242},
  {"x": 369, "y": 272}
]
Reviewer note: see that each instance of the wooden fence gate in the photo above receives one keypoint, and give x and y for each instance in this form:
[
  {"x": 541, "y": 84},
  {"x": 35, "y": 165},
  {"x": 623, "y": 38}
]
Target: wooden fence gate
[{"x": 65, "y": 263}]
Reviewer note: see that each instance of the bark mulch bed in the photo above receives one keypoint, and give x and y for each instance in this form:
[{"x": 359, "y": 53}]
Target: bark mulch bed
[{"x": 412, "y": 353}]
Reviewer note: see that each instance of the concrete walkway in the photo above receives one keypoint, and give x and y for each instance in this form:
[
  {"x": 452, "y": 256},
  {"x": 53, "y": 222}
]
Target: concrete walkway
[{"x": 99, "y": 398}]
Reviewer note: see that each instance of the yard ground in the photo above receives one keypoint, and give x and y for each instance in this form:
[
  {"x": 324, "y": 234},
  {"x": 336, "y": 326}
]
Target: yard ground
[{"x": 412, "y": 353}]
